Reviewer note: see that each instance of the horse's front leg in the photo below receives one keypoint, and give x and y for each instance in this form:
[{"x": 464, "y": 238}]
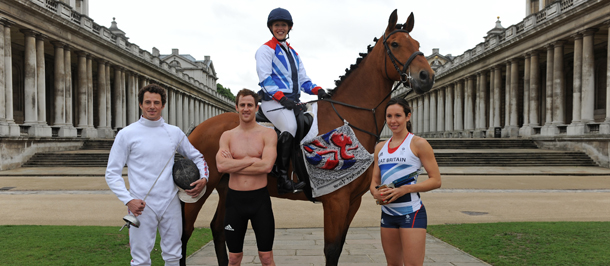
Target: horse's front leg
[
  {"x": 336, "y": 224},
  {"x": 217, "y": 224},
  {"x": 189, "y": 216}
]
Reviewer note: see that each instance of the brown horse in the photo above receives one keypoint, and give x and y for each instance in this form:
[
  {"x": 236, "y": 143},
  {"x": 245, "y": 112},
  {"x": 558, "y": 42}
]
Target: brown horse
[{"x": 368, "y": 86}]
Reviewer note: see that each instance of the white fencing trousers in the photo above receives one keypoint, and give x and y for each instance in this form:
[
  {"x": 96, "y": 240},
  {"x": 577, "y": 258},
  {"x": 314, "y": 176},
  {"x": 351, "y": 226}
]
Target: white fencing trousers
[
  {"x": 282, "y": 118},
  {"x": 142, "y": 240}
]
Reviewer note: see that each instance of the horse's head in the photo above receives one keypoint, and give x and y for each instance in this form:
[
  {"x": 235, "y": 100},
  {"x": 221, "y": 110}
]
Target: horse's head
[{"x": 403, "y": 60}]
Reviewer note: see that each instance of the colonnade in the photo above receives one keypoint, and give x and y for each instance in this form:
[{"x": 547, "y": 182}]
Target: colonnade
[
  {"x": 101, "y": 101},
  {"x": 543, "y": 91}
]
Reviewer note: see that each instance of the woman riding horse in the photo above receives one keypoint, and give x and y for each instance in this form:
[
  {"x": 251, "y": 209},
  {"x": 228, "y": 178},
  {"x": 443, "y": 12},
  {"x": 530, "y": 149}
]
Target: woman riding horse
[{"x": 282, "y": 76}]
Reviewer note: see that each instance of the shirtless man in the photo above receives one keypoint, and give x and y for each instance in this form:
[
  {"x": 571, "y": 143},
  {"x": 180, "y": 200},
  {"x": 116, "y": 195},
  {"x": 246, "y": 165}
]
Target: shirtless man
[{"x": 248, "y": 152}]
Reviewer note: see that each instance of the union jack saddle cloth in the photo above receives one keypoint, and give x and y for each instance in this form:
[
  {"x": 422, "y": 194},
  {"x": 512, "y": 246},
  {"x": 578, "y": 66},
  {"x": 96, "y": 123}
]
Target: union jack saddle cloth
[{"x": 334, "y": 159}]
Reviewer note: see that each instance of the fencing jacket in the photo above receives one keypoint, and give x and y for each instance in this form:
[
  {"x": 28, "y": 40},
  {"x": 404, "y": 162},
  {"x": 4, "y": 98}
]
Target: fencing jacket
[
  {"x": 146, "y": 146},
  {"x": 279, "y": 71}
]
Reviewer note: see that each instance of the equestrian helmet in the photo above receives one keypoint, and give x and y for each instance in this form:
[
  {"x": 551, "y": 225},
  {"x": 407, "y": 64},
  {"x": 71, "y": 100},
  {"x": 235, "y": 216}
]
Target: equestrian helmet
[{"x": 279, "y": 14}]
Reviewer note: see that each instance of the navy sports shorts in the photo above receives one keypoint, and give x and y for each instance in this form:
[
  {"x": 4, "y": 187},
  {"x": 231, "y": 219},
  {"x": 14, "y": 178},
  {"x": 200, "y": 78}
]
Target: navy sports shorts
[{"x": 418, "y": 219}]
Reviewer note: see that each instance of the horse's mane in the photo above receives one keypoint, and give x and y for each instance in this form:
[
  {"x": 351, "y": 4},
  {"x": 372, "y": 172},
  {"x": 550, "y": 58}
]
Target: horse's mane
[{"x": 352, "y": 67}]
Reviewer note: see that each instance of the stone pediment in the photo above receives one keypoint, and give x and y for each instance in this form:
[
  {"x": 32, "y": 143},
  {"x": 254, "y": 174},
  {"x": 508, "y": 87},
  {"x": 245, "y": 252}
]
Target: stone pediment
[{"x": 181, "y": 61}]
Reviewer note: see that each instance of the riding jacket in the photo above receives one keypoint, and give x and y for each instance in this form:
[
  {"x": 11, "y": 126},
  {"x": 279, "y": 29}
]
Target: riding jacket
[{"x": 281, "y": 72}]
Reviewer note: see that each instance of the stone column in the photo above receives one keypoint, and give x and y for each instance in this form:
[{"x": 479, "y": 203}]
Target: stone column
[
  {"x": 576, "y": 127},
  {"x": 82, "y": 90},
  {"x": 141, "y": 82},
  {"x": 165, "y": 112},
  {"x": 131, "y": 101},
  {"x": 459, "y": 106},
  {"x": 497, "y": 87},
  {"x": 185, "y": 112},
  {"x": 513, "y": 130},
  {"x": 209, "y": 111},
  {"x": 30, "y": 79},
  {"x": 440, "y": 112},
  {"x": 482, "y": 100},
  {"x": 196, "y": 117},
  {"x": 588, "y": 78},
  {"x": 109, "y": 103},
  {"x": 10, "y": 129},
  {"x": 89, "y": 131},
  {"x": 534, "y": 90},
  {"x": 139, "y": 85},
  {"x": 426, "y": 113},
  {"x": 420, "y": 114},
  {"x": 101, "y": 96},
  {"x": 202, "y": 110},
  {"x": 59, "y": 86},
  {"x": 549, "y": 87},
  {"x": 3, "y": 124},
  {"x": 179, "y": 110},
  {"x": 123, "y": 91},
  {"x": 604, "y": 128},
  {"x": 506, "y": 100},
  {"x": 116, "y": 98},
  {"x": 476, "y": 107},
  {"x": 432, "y": 110},
  {"x": 191, "y": 112},
  {"x": 45, "y": 130},
  {"x": 68, "y": 93},
  {"x": 468, "y": 102},
  {"x": 449, "y": 119},
  {"x": 525, "y": 128},
  {"x": 559, "y": 89},
  {"x": 413, "y": 106},
  {"x": 490, "y": 114},
  {"x": 172, "y": 106},
  {"x": 136, "y": 89}
]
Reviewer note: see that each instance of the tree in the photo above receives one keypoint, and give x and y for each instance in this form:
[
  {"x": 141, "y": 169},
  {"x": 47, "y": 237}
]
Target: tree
[{"x": 225, "y": 91}]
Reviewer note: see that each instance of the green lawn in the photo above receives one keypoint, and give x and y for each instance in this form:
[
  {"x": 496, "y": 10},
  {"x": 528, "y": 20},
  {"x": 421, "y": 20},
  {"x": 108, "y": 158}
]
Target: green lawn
[
  {"x": 531, "y": 243},
  {"x": 541, "y": 243},
  {"x": 76, "y": 245}
]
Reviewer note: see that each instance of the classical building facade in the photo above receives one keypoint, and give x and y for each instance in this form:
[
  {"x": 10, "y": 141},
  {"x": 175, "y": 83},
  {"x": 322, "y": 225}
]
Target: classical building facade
[
  {"x": 545, "y": 78},
  {"x": 64, "y": 78}
]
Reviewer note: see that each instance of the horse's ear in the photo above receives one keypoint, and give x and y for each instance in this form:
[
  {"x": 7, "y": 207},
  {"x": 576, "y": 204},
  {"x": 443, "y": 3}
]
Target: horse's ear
[
  {"x": 410, "y": 23},
  {"x": 392, "y": 21}
]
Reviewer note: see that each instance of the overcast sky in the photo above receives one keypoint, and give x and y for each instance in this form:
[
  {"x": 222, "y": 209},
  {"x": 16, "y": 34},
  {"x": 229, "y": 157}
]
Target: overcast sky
[{"x": 328, "y": 35}]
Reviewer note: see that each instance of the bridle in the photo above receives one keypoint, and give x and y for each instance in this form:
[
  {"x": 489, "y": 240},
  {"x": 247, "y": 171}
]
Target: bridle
[{"x": 405, "y": 79}]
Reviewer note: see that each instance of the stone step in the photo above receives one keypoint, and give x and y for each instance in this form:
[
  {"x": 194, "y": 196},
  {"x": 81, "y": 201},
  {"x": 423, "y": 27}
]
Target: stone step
[
  {"x": 482, "y": 144},
  {"x": 72, "y": 160},
  {"x": 448, "y": 152},
  {"x": 97, "y": 144}
]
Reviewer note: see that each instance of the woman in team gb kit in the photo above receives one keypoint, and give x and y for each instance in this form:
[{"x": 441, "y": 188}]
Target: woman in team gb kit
[
  {"x": 282, "y": 76},
  {"x": 395, "y": 187}
]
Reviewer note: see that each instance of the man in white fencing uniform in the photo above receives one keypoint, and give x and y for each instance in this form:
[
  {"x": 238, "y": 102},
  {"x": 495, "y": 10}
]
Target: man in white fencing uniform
[{"x": 148, "y": 147}]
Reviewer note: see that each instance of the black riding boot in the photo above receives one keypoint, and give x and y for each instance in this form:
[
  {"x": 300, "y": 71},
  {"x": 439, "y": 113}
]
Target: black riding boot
[{"x": 284, "y": 183}]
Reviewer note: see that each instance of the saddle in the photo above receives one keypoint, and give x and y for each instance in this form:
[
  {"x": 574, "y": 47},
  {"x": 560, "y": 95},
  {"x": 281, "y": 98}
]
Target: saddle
[{"x": 304, "y": 123}]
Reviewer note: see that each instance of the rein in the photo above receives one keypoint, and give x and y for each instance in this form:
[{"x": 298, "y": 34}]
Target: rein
[{"x": 404, "y": 80}]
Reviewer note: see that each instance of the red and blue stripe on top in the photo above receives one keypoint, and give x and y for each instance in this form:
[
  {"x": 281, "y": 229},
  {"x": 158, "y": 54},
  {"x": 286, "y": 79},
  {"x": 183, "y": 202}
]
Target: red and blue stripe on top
[{"x": 281, "y": 72}]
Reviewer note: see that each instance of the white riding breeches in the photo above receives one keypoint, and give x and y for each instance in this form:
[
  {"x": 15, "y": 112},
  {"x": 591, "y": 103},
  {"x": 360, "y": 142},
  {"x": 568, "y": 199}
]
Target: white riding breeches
[
  {"x": 142, "y": 240},
  {"x": 282, "y": 118}
]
